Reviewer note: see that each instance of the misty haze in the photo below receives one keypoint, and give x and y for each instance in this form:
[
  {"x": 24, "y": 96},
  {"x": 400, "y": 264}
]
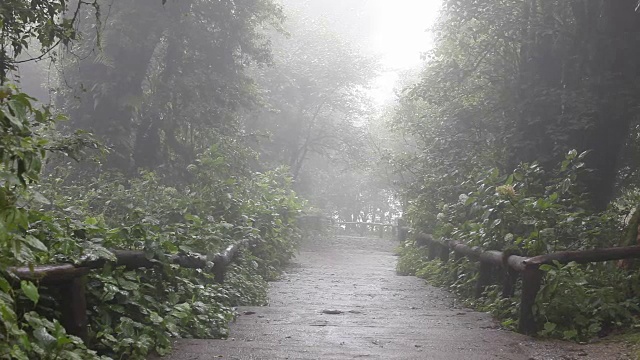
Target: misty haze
[{"x": 319, "y": 179}]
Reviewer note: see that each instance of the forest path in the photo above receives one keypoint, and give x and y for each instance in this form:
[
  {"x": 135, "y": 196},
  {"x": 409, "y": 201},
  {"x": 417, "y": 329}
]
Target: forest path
[{"x": 379, "y": 315}]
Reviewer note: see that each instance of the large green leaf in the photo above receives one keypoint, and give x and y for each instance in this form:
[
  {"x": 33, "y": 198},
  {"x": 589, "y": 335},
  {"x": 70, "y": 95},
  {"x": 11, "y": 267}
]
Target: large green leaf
[{"x": 30, "y": 291}]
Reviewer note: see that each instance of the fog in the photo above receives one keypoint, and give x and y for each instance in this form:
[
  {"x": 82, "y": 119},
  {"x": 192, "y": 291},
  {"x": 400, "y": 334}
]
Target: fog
[
  {"x": 305, "y": 84},
  {"x": 163, "y": 161}
]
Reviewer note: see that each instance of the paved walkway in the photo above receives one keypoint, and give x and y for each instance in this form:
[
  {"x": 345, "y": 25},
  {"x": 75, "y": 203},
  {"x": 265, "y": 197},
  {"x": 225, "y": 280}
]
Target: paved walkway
[{"x": 341, "y": 299}]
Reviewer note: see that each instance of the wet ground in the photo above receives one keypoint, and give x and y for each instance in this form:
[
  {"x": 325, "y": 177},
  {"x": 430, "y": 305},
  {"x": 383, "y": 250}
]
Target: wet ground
[{"x": 341, "y": 299}]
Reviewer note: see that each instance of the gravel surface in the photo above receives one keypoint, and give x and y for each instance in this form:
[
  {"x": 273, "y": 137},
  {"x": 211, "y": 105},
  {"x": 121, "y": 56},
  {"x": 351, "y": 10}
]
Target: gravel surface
[{"x": 341, "y": 299}]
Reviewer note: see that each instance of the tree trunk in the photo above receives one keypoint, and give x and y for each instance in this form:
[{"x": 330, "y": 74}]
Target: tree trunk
[
  {"x": 114, "y": 80},
  {"x": 617, "y": 57}
]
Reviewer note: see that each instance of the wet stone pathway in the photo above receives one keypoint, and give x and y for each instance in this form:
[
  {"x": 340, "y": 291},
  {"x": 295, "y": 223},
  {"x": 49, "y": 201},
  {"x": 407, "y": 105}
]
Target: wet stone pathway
[{"x": 341, "y": 299}]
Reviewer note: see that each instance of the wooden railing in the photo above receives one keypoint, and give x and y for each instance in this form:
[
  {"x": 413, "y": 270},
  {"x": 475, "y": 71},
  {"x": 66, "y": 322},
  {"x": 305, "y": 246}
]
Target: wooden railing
[
  {"x": 512, "y": 267},
  {"x": 362, "y": 227},
  {"x": 70, "y": 279},
  {"x": 323, "y": 222}
]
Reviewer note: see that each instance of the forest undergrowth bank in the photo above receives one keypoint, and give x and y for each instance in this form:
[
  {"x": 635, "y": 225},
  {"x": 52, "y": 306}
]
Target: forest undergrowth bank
[
  {"x": 526, "y": 214},
  {"x": 166, "y": 89},
  {"x": 484, "y": 153},
  {"x": 59, "y": 217}
]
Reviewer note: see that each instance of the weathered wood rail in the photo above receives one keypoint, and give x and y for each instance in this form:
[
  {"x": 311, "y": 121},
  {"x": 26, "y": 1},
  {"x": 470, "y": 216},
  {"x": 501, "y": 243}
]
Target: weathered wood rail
[
  {"x": 363, "y": 226},
  {"x": 70, "y": 279},
  {"x": 320, "y": 222},
  {"x": 512, "y": 267}
]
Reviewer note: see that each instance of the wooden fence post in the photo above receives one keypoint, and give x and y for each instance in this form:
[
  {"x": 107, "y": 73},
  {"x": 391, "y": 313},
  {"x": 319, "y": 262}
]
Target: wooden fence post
[
  {"x": 444, "y": 252},
  {"x": 457, "y": 256},
  {"x": 484, "y": 277},
  {"x": 431, "y": 250},
  {"x": 218, "y": 268},
  {"x": 402, "y": 231},
  {"x": 74, "y": 306},
  {"x": 509, "y": 282},
  {"x": 531, "y": 281}
]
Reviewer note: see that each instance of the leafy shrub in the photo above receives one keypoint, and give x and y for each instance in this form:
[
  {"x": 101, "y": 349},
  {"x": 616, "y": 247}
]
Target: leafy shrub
[
  {"x": 25, "y": 333},
  {"x": 411, "y": 259},
  {"x": 530, "y": 212},
  {"x": 131, "y": 312},
  {"x": 527, "y": 213},
  {"x": 580, "y": 302}
]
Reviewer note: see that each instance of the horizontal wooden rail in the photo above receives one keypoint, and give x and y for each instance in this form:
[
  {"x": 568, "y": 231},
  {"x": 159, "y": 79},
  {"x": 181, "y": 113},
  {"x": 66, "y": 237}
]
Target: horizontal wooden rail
[
  {"x": 223, "y": 259},
  {"x": 131, "y": 259},
  {"x": 512, "y": 266},
  {"x": 314, "y": 222},
  {"x": 585, "y": 256},
  {"x": 363, "y": 226},
  {"x": 363, "y": 223},
  {"x": 70, "y": 279}
]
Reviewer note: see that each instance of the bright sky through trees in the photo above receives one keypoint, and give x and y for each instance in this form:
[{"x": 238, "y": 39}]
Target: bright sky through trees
[{"x": 400, "y": 36}]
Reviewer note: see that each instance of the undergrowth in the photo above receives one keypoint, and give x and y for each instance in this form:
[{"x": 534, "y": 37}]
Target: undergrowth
[
  {"x": 132, "y": 312},
  {"x": 523, "y": 214}
]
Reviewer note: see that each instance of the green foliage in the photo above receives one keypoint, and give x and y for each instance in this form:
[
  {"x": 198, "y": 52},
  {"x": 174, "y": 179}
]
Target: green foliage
[
  {"x": 521, "y": 81},
  {"x": 168, "y": 79},
  {"x": 411, "y": 259},
  {"x": 131, "y": 312},
  {"x": 456, "y": 276},
  {"x": 580, "y": 302},
  {"x": 525, "y": 213},
  {"x": 21, "y": 22},
  {"x": 21, "y": 157},
  {"x": 26, "y": 334},
  {"x": 135, "y": 312},
  {"x": 163, "y": 86}
]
